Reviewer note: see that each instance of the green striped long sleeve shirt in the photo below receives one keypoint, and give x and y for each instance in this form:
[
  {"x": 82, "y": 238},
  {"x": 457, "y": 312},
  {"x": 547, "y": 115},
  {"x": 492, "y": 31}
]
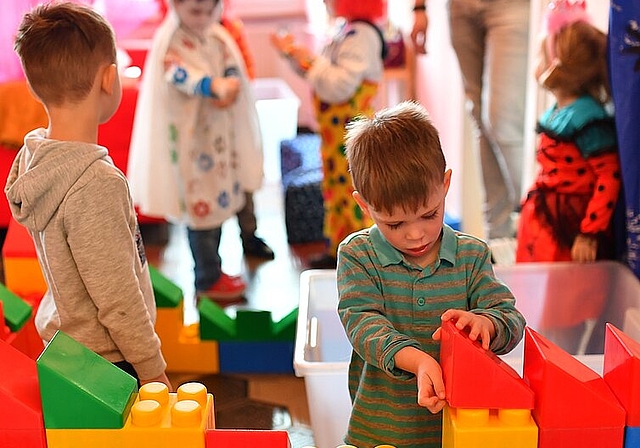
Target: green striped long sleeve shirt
[{"x": 386, "y": 304}]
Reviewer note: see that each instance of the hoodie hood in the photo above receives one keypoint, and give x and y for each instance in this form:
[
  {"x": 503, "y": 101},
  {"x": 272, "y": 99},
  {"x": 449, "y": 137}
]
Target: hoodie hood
[{"x": 42, "y": 174}]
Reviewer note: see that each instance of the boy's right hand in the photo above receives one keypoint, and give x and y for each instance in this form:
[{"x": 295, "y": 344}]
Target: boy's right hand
[
  {"x": 431, "y": 393},
  {"x": 428, "y": 374},
  {"x": 225, "y": 90},
  {"x": 159, "y": 379}
]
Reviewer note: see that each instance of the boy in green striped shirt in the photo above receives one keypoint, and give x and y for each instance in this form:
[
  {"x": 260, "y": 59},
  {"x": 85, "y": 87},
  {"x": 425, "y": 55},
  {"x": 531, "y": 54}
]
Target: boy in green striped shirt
[{"x": 399, "y": 279}]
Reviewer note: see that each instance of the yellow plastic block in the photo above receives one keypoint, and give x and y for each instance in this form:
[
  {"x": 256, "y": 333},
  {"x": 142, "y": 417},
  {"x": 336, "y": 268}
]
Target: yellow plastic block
[
  {"x": 158, "y": 419},
  {"x": 495, "y": 428},
  {"x": 181, "y": 345},
  {"x": 23, "y": 276}
]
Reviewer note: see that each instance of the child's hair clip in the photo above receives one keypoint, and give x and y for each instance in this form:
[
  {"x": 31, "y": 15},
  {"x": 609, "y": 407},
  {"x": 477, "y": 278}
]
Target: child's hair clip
[{"x": 561, "y": 13}]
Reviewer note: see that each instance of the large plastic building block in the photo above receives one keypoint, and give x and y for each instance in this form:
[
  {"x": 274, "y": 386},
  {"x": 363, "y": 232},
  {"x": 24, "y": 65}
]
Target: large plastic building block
[
  {"x": 5, "y": 331},
  {"x": 249, "y": 325},
  {"x": 81, "y": 389},
  {"x": 253, "y": 325},
  {"x": 256, "y": 356},
  {"x": 632, "y": 437},
  {"x": 27, "y": 340},
  {"x": 215, "y": 324},
  {"x": 22, "y": 273},
  {"x": 242, "y": 438},
  {"x": 181, "y": 345},
  {"x": 158, "y": 419},
  {"x": 477, "y": 378},
  {"x": 285, "y": 328},
  {"x": 167, "y": 293},
  {"x": 621, "y": 371},
  {"x": 16, "y": 311},
  {"x": 21, "y": 422},
  {"x": 506, "y": 428},
  {"x": 574, "y": 407}
]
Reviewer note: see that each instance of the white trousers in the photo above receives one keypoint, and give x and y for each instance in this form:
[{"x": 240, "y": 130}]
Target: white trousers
[{"x": 490, "y": 38}]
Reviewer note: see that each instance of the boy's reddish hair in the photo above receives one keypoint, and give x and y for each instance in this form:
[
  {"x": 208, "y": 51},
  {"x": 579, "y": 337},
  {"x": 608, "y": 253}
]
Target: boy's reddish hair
[{"x": 370, "y": 10}]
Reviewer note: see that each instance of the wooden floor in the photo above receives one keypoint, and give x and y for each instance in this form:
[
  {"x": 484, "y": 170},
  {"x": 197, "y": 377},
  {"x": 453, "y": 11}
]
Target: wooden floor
[{"x": 259, "y": 401}]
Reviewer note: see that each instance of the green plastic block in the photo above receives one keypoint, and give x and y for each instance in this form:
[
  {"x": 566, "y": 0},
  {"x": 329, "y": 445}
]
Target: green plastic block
[
  {"x": 285, "y": 328},
  {"x": 16, "y": 311},
  {"x": 168, "y": 294},
  {"x": 254, "y": 325},
  {"x": 80, "y": 389},
  {"x": 215, "y": 325}
]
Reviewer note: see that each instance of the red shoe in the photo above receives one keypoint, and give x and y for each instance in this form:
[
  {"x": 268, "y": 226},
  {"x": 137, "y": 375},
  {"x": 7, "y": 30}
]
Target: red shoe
[{"x": 227, "y": 287}]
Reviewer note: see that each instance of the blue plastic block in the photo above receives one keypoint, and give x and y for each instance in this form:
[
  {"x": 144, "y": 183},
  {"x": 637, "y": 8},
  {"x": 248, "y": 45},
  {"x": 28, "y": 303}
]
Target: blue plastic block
[
  {"x": 453, "y": 221},
  {"x": 632, "y": 437},
  {"x": 255, "y": 357}
]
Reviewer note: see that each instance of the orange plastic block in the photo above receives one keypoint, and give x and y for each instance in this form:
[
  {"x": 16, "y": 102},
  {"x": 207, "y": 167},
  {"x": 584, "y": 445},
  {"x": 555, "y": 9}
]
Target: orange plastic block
[
  {"x": 477, "y": 378},
  {"x": 574, "y": 406},
  {"x": 182, "y": 347},
  {"x": 621, "y": 371},
  {"x": 158, "y": 419},
  {"x": 21, "y": 421},
  {"x": 467, "y": 428},
  {"x": 242, "y": 438},
  {"x": 22, "y": 272}
]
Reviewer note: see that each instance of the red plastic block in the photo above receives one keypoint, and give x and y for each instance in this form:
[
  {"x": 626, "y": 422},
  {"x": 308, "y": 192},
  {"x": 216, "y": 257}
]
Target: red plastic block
[
  {"x": 21, "y": 421},
  {"x": 18, "y": 242},
  {"x": 622, "y": 371},
  {"x": 477, "y": 378},
  {"x": 27, "y": 340},
  {"x": 242, "y": 438},
  {"x": 5, "y": 332},
  {"x": 574, "y": 406}
]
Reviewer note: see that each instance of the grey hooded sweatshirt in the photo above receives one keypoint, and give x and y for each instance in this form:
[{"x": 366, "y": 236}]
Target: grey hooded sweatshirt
[{"x": 77, "y": 206}]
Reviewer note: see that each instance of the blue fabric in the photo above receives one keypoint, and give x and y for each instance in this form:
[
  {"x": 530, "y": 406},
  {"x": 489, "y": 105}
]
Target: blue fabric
[{"x": 624, "y": 54}]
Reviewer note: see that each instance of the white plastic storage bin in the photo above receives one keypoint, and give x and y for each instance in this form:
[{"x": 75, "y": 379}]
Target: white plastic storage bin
[
  {"x": 321, "y": 355},
  {"x": 277, "y": 108}
]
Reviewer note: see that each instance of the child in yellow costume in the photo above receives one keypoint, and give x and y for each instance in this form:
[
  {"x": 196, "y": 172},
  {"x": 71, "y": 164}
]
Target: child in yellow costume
[{"x": 344, "y": 78}]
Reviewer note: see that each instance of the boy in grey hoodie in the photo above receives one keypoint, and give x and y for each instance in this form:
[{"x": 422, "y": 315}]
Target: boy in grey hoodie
[{"x": 75, "y": 203}]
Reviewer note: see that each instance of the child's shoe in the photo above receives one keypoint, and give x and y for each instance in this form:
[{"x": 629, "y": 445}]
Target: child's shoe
[
  {"x": 256, "y": 247},
  {"x": 227, "y": 287}
]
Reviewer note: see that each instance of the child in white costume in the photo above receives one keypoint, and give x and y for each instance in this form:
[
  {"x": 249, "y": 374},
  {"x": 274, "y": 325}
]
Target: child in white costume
[{"x": 196, "y": 145}]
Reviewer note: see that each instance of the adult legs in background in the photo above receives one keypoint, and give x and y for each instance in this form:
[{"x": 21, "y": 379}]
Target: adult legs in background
[
  {"x": 252, "y": 245},
  {"x": 210, "y": 281},
  {"x": 490, "y": 38}
]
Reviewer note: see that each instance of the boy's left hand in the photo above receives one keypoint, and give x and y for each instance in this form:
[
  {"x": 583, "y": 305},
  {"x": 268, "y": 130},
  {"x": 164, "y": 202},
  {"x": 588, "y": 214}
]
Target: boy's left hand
[{"x": 480, "y": 327}]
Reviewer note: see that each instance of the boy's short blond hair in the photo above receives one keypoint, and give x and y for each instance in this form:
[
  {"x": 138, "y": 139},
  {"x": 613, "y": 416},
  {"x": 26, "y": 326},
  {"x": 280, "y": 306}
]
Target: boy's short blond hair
[
  {"x": 395, "y": 158},
  {"x": 62, "y": 46}
]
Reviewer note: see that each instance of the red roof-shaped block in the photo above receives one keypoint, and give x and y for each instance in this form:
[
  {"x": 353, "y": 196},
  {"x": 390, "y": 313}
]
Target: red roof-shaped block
[
  {"x": 21, "y": 421},
  {"x": 476, "y": 378},
  {"x": 622, "y": 371},
  {"x": 570, "y": 396}
]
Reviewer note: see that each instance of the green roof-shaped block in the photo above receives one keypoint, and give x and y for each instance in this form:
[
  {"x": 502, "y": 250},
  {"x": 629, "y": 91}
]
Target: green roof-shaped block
[
  {"x": 248, "y": 325},
  {"x": 215, "y": 325},
  {"x": 80, "y": 389},
  {"x": 16, "y": 311},
  {"x": 285, "y": 328},
  {"x": 168, "y": 294}
]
